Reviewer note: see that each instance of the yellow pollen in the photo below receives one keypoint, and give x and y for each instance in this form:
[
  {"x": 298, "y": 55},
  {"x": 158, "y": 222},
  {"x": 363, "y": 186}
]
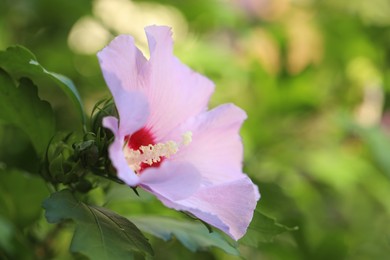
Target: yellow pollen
[
  {"x": 150, "y": 154},
  {"x": 187, "y": 138}
]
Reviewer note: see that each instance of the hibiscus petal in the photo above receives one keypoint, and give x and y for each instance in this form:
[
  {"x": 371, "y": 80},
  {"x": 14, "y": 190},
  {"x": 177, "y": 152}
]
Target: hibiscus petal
[
  {"x": 174, "y": 91},
  {"x": 133, "y": 111},
  {"x": 228, "y": 206},
  {"x": 216, "y": 148},
  {"x": 174, "y": 181},
  {"x": 122, "y": 65},
  {"x": 125, "y": 173}
]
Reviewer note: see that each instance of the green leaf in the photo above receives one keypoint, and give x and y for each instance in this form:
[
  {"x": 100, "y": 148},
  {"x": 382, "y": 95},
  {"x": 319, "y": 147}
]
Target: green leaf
[
  {"x": 6, "y": 234},
  {"x": 20, "y": 196},
  {"x": 192, "y": 235},
  {"x": 100, "y": 233},
  {"x": 22, "y": 107},
  {"x": 20, "y": 62},
  {"x": 263, "y": 229},
  {"x": 379, "y": 145}
]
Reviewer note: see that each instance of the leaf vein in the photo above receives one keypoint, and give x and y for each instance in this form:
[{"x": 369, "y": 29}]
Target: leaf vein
[{"x": 100, "y": 230}]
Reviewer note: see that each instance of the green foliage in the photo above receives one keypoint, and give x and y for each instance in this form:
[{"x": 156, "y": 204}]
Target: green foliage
[
  {"x": 20, "y": 62},
  {"x": 263, "y": 229},
  {"x": 379, "y": 144},
  {"x": 6, "y": 235},
  {"x": 20, "y": 192},
  {"x": 100, "y": 233},
  {"x": 22, "y": 107},
  {"x": 193, "y": 236}
]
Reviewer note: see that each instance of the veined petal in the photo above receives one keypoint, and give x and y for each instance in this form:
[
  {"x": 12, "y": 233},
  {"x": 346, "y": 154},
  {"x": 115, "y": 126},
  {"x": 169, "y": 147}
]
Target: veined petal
[
  {"x": 174, "y": 181},
  {"x": 174, "y": 91},
  {"x": 133, "y": 111},
  {"x": 216, "y": 148},
  {"x": 125, "y": 173},
  {"x": 122, "y": 65},
  {"x": 227, "y": 206}
]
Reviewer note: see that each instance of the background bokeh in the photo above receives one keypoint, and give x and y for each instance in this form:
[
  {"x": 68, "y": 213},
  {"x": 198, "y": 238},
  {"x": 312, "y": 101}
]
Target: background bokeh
[{"x": 313, "y": 77}]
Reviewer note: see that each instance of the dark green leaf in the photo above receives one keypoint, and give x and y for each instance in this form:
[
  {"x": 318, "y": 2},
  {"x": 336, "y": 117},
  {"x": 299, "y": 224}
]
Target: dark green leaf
[
  {"x": 100, "y": 233},
  {"x": 22, "y": 107},
  {"x": 20, "y": 62},
  {"x": 192, "y": 235},
  {"x": 263, "y": 229}
]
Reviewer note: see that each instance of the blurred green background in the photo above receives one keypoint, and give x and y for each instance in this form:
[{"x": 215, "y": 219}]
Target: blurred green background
[{"x": 313, "y": 77}]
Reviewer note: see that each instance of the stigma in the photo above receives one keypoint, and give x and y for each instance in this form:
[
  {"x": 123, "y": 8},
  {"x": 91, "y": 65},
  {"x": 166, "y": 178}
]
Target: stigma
[{"x": 152, "y": 154}]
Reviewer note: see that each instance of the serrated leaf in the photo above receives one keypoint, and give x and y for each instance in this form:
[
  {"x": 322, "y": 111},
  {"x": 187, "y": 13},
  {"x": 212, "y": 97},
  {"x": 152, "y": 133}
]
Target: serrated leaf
[
  {"x": 263, "y": 229},
  {"x": 193, "y": 236},
  {"x": 99, "y": 233},
  {"x": 20, "y": 62},
  {"x": 22, "y": 107}
]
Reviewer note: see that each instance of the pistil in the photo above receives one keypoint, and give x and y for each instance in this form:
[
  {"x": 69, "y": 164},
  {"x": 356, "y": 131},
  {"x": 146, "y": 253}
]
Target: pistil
[{"x": 153, "y": 154}]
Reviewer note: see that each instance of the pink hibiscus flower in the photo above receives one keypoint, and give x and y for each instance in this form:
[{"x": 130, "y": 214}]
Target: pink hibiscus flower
[{"x": 166, "y": 141}]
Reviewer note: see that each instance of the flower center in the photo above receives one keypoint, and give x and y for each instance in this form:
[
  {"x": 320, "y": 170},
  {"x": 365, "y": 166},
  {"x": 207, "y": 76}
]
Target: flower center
[{"x": 141, "y": 151}]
